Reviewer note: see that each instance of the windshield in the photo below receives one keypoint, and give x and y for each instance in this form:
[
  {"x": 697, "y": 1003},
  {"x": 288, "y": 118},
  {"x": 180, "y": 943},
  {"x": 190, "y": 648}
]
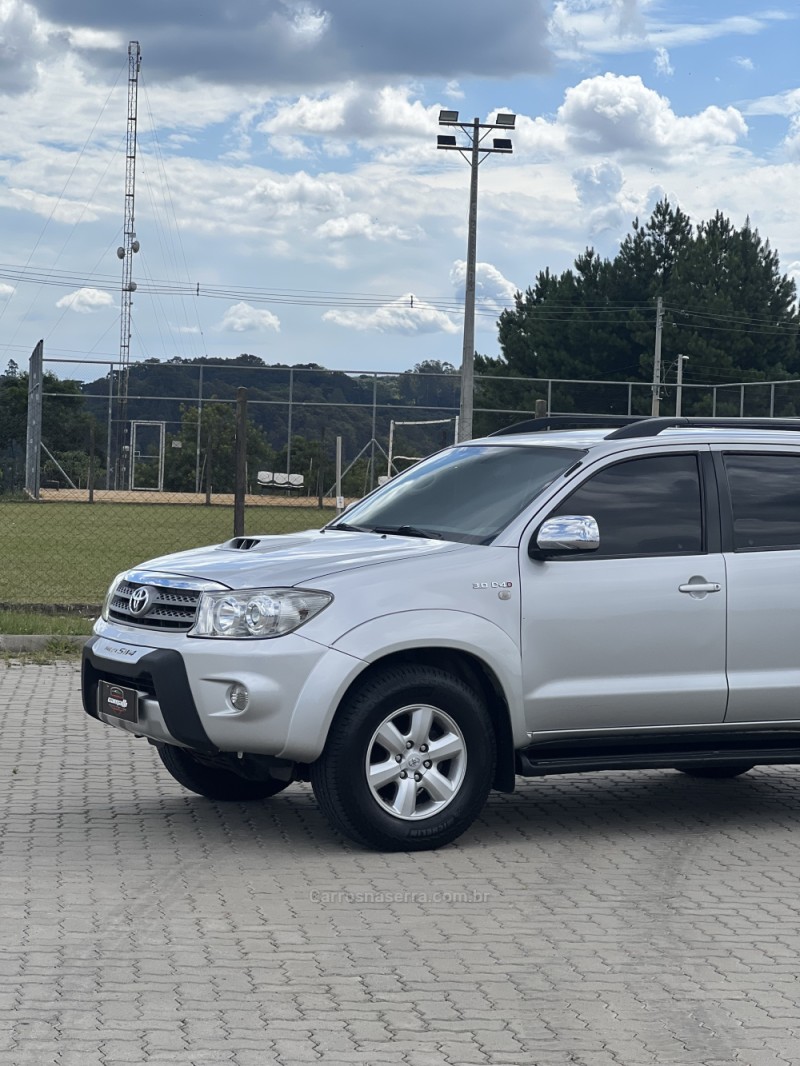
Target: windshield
[{"x": 466, "y": 493}]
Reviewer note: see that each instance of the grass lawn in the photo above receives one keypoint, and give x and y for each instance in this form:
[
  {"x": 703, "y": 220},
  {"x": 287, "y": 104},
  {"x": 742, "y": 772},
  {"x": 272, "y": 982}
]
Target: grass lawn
[
  {"x": 67, "y": 553},
  {"x": 20, "y": 623}
]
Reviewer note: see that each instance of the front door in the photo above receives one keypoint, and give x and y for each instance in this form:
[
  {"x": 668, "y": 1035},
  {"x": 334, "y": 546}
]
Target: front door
[{"x": 632, "y": 636}]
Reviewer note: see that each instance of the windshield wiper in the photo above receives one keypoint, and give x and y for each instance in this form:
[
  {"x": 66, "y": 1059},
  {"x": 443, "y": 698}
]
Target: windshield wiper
[
  {"x": 408, "y": 531},
  {"x": 350, "y": 529}
]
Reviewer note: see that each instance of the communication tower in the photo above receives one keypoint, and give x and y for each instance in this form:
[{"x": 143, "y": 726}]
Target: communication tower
[{"x": 125, "y": 252}]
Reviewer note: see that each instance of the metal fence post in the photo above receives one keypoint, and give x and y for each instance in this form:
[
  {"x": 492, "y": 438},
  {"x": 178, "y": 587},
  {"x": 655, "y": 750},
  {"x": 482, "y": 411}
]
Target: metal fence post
[
  {"x": 90, "y": 479},
  {"x": 110, "y": 432},
  {"x": 33, "y": 444},
  {"x": 374, "y": 430},
  {"x": 240, "y": 471},
  {"x": 289, "y": 423},
  {"x": 199, "y": 429},
  {"x": 339, "y": 497}
]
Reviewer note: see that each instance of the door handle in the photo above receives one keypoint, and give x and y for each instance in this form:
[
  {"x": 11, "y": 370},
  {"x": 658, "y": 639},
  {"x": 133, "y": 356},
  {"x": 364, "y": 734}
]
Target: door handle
[{"x": 701, "y": 587}]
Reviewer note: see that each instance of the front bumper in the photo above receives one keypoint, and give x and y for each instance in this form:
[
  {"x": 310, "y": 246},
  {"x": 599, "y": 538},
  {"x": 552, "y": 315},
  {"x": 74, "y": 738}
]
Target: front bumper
[
  {"x": 294, "y": 686},
  {"x": 167, "y": 713}
]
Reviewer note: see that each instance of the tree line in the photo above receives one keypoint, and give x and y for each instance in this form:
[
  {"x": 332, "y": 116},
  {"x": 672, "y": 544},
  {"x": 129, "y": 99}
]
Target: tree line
[{"x": 728, "y": 307}]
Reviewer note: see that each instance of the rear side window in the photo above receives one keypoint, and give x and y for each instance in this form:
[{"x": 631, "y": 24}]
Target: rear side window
[
  {"x": 648, "y": 506},
  {"x": 765, "y": 498}
]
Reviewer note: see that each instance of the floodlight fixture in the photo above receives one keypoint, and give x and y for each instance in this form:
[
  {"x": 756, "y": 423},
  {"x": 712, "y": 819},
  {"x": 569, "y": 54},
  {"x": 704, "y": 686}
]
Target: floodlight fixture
[{"x": 474, "y": 151}]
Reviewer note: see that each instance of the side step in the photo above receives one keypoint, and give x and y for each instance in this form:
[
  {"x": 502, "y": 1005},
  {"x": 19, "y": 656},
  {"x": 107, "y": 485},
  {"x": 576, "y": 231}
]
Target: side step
[{"x": 664, "y": 750}]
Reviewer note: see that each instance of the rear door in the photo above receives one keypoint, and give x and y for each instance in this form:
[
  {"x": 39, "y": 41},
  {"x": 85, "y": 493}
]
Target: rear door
[
  {"x": 760, "y": 490},
  {"x": 618, "y": 638}
]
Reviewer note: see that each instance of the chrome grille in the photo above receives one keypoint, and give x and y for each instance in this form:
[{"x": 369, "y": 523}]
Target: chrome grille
[{"x": 168, "y": 608}]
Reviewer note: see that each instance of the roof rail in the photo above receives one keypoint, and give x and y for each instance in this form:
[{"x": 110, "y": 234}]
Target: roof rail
[
  {"x": 651, "y": 427},
  {"x": 539, "y": 425}
]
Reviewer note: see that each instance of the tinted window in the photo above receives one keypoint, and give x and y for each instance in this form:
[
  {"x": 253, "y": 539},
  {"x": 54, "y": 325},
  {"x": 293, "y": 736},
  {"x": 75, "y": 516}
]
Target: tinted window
[
  {"x": 765, "y": 494},
  {"x": 643, "y": 506}
]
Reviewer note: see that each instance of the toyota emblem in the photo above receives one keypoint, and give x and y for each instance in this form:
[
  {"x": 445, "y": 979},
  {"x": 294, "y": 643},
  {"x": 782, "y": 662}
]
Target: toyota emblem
[{"x": 141, "y": 600}]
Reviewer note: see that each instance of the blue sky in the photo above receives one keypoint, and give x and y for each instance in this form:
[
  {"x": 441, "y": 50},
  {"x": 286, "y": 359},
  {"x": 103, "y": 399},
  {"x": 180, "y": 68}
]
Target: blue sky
[{"x": 287, "y": 164}]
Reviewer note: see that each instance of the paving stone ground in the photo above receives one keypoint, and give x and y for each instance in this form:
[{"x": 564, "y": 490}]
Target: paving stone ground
[{"x": 618, "y": 919}]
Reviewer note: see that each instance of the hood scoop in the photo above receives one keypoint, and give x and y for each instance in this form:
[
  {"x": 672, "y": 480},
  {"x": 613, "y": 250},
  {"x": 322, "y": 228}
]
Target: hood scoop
[{"x": 242, "y": 544}]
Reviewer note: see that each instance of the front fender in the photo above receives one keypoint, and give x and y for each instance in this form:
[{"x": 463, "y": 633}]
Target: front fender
[{"x": 378, "y": 638}]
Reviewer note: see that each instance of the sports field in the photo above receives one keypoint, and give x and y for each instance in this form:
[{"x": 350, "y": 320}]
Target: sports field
[{"x": 67, "y": 553}]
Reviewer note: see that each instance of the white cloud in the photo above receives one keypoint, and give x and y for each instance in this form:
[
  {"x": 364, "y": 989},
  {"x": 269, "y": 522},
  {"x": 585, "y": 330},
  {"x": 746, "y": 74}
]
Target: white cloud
[
  {"x": 404, "y": 315},
  {"x": 599, "y": 187},
  {"x": 362, "y": 225},
  {"x": 745, "y": 62},
  {"x": 86, "y": 300},
  {"x": 597, "y": 183},
  {"x": 6, "y": 290},
  {"x": 354, "y": 113},
  {"x": 787, "y": 103},
  {"x": 493, "y": 292},
  {"x": 243, "y": 318},
  {"x": 279, "y": 192},
  {"x": 615, "y": 113},
  {"x": 290, "y": 147},
  {"x": 85, "y": 37},
  {"x": 453, "y": 91},
  {"x": 662, "y": 63},
  {"x": 310, "y": 26},
  {"x": 792, "y": 140},
  {"x": 579, "y": 28}
]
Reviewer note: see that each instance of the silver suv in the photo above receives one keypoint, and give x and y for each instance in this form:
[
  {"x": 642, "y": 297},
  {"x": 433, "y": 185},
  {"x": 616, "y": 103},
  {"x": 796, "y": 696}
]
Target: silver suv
[{"x": 549, "y": 599}]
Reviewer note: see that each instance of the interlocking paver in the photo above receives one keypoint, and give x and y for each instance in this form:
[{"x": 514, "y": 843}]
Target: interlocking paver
[{"x": 616, "y": 919}]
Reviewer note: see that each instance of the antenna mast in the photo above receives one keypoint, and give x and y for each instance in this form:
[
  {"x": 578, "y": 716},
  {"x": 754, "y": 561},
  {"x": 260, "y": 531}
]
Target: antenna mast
[{"x": 126, "y": 252}]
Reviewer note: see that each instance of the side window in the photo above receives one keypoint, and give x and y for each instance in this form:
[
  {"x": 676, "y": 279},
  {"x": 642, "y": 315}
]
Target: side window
[
  {"x": 649, "y": 506},
  {"x": 765, "y": 496}
]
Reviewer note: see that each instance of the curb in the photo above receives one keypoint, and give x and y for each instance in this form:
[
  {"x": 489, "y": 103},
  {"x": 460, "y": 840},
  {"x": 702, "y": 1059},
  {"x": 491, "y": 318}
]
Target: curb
[{"x": 37, "y": 643}]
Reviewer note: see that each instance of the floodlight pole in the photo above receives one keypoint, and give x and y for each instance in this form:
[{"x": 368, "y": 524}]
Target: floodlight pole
[
  {"x": 468, "y": 350},
  {"x": 477, "y": 153}
]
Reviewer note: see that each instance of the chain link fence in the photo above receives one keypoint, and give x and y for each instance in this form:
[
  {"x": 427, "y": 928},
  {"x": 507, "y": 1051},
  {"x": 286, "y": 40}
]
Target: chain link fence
[{"x": 128, "y": 470}]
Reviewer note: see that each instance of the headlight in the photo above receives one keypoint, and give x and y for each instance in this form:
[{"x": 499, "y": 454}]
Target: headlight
[
  {"x": 112, "y": 588},
  {"x": 256, "y": 613}
]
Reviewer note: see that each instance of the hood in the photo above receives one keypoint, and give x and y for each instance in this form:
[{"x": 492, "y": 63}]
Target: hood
[{"x": 292, "y": 558}]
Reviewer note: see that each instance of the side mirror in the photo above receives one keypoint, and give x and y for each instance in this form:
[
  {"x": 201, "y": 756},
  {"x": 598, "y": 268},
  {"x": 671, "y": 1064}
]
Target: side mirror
[{"x": 565, "y": 535}]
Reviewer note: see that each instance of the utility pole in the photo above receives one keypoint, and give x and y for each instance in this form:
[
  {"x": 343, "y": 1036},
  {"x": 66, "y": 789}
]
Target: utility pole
[
  {"x": 474, "y": 152},
  {"x": 126, "y": 252},
  {"x": 657, "y": 358}
]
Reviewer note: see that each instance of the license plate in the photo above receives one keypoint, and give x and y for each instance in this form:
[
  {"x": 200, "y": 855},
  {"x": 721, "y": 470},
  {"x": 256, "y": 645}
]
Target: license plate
[{"x": 118, "y": 702}]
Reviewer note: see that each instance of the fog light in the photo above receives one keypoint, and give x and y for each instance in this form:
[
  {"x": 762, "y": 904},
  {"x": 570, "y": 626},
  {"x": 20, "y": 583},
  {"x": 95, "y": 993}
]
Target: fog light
[{"x": 239, "y": 697}]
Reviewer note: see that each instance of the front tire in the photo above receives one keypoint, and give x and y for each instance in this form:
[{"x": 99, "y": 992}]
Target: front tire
[
  {"x": 409, "y": 760},
  {"x": 716, "y": 773},
  {"x": 214, "y": 782}
]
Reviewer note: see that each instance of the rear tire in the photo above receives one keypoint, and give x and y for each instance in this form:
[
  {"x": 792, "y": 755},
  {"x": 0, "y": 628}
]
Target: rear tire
[
  {"x": 216, "y": 783},
  {"x": 409, "y": 760},
  {"x": 715, "y": 773}
]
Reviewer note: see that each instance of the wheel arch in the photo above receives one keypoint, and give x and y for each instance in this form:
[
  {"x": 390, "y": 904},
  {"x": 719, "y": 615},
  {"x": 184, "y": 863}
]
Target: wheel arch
[{"x": 475, "y": 672}]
